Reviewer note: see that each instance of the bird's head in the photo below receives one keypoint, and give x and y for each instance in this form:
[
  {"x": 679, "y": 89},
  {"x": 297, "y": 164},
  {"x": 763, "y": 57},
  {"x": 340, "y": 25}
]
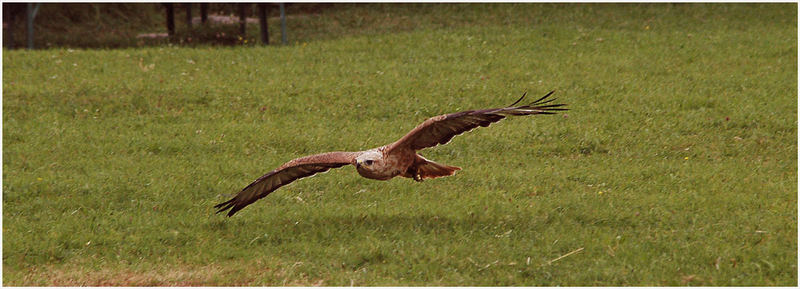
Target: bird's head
[
  {"x": 370, "y": 164},
  {"x": 368, "y": 160}
]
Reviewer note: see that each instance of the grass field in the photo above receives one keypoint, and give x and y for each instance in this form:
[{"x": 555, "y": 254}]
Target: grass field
[{"x": 676, "y": 165}]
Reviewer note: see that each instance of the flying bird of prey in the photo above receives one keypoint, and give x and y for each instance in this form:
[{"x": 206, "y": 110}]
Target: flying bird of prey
[{"x": 399, "y": 158}]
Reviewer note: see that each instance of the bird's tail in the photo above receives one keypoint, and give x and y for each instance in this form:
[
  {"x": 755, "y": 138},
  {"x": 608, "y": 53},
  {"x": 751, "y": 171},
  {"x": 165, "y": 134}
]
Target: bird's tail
[{"x": 426, "y": 169}]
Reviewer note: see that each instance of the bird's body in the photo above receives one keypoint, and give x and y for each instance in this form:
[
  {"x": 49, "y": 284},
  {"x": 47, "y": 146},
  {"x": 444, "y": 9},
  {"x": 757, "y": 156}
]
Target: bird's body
[
  {"x": 399, "y": 158},
  {"x": 378, "y": 164}
]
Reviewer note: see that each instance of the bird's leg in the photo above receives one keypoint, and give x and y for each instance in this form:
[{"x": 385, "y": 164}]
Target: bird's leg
[{"x": 415, "y": 174}]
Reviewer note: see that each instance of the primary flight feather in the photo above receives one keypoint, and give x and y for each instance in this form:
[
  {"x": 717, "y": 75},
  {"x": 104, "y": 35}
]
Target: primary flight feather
[{"x": 399, "y": 158}]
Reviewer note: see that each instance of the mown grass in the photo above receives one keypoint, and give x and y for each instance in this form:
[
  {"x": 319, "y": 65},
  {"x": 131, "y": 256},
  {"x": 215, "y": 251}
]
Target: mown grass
[{"x": 677, "y": 164}]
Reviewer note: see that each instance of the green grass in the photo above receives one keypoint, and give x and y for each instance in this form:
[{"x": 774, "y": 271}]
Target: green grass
[{"x": 676, "y": 164}]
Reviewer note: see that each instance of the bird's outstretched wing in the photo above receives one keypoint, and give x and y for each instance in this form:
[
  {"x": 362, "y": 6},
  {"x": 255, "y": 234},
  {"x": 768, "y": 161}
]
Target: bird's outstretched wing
[
  {"x": 440, "y": 129},
  {"x": 285, "y": 174}
]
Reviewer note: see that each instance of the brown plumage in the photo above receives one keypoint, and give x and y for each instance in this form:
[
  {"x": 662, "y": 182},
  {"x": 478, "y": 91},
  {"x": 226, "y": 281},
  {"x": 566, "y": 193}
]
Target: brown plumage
[{"x": 399, "y": 158}]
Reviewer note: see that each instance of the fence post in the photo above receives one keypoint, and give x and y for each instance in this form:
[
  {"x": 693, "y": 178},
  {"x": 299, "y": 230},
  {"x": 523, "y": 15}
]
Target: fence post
[
  {"x": 12, "y": 17},
  {"x": 189, "y": 15},
  {"x": 262, "y": 21},
  {"x": 283, "y": 24},
  {"x": 170, "y": 19},
  {"x": 203, "y": 12},
  {"x": 31, "y": 10},
  {"x": 242, "y": 20}
]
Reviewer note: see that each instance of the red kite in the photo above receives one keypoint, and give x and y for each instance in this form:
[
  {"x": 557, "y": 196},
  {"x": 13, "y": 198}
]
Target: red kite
[{"x": 399, "y": 158}]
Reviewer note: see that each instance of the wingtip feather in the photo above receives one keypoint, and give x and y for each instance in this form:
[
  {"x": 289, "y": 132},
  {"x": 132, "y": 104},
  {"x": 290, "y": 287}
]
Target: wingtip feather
[
  {"x": 224, "y": 206},
  {"x": 520, "y": 99},
  {"x": 543, "y": 97}
]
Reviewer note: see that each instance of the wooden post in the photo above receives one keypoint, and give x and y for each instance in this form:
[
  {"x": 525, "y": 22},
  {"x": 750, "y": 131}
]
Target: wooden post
[
  {"x": 30, "y": 10},
  {"x": 242, "y": 20},
  {"x": 29, "y": 24},
  {"x": 262, "y": 21},
  {"x": 11, "y": 14},
  {"x": 189, "y": 15},
  {"x": 203, "y": 13},
  {"x": 170, "y": 19},
  {"x": 283, "y": 25}
]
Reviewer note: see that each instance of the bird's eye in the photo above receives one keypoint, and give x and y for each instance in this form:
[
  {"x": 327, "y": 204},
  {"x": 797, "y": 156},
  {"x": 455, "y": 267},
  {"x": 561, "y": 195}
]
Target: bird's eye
[{"x": 368, "y": 162}]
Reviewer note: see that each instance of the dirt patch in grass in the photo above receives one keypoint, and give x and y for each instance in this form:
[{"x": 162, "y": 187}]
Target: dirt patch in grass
[
  {"x": 76, "y": 276},
  {"x": 229, "y": 274}
]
